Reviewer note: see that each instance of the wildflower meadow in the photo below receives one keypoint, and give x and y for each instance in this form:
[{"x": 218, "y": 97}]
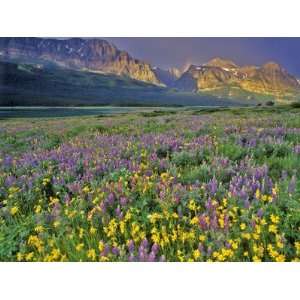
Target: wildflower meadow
[{"x": 175, "y": 186}]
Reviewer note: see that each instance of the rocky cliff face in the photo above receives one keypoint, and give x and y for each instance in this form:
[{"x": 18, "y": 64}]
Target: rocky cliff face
[
  {"x": 270, "y": 78},
  {"x": 85, "y": 54},
  {"x": 218, "y": 73}
]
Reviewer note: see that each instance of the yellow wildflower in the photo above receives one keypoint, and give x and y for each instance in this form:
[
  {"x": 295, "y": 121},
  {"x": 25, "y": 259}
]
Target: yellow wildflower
[
  {"x": 103, "y": 259},
  {"x": 273, "y": 228},
  {"x": 39, "y": 229},
  {"x": 234, "y": 245},
  {"x": 263, "y": 221},
  {"x": 255, "y": 236},
  {"x": 279, "y": 244},
  {"x": 255, "y": 258},
  {"x": 19, "y": 256},
  {"x": 37, "y": 209},
  {"x": 243, "y": 226},
  {"x": 246, "y": 236},
  {"x": 275, "y": 219},
  {"x": 297, "y": 246},
  {"x": 194, "y": 221},
  {"x": 81, "y": 231},
  {"x": 93, "y": 230},
  {"x": 91, "y": 254},
  {"x": 14, "y": 210},
  {"x": 122, "y": 227},
  {"x": 280, "y": 258},
  {"x": 164, "y": 176},
  {"x": 128, "y": 216},
  {"x": 55, "y": 254},
  {"x": 53, "y": 200},
  {"x": 202, "y": 238},
  {"x": 175, "y": 215},
  {"x": 192, "y": 205},
  {"x": 221, "y": 222},
  {"x": 45, "y": 181},
  {"x": 56, "y": 224},
  {"x": 79, "y": 247},
  {"x": 101, "y": 246},
  {"x": 29, "y": 256},
  {"x": 86, "y": 189},
  {"x": 257, "y": 194}
]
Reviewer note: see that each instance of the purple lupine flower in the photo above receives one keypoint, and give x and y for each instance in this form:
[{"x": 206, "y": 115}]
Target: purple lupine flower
[
  {"x": 10, "y": 180},
  {"x": 145, "y": 243},
  {"x": 110, "y": 199},
  {"x": 202, "y": 222},
  {"x": 260, "y": 213},
  {"x": 132, "y": 258},
  {"x": 155, "y": 248},
  {"x": 103, "y": 206},
  {"x": 123, "y": 201},
  {"x": 106, "y": 250},
  {"x": 209, "y": 205},
  {"x": 214, "y": 223},
  {"x": 227, "y": 245},
  {"x": 142, "y": 254},
  {"x": 131, "y": 246},
  {"x": 297, "y": 149},
  {"x": 7, "y": 161},
  {"x": 212, "y": 186},
  {"x": 118, "y": 212},
  {"x": 201, "y": 247},
  {"x": 115, "y": 251},
  {"x": 246, "y": 204},
  {"x": 151, "y": 257},
  {"x": 162, "y": 195}
]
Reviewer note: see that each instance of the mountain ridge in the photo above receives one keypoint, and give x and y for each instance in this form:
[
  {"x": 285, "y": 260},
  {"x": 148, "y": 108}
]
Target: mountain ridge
[
  {"x": 100, "y": 56},
  {"x": 270, "y": 78},
  {"x": 96, "y": 55}
]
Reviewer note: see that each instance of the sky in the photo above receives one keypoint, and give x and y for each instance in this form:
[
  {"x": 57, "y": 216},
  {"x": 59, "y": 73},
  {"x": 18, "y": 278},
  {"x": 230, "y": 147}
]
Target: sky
[{"x": 178, "y": 52}]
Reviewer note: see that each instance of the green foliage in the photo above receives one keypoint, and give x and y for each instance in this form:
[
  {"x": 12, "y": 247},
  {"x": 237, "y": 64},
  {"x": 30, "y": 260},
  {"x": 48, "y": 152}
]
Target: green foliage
[{"x": 233, "y": 152}]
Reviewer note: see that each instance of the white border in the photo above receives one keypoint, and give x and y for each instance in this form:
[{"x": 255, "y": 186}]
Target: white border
[
  {"x": 149, "y": 281},
  {"x": 149, "y": 18},
  {"x": 191, "y": 18}
]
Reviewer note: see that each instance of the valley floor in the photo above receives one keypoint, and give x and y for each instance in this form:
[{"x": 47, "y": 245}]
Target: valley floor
[{"x": 201, "y": 184}]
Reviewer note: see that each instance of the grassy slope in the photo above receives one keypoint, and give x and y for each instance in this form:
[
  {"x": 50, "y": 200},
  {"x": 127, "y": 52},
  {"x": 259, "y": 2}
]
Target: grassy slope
[{"x": 22, "y": 84}]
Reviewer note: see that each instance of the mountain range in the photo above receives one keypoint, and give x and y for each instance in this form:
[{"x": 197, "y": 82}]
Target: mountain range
[{"x": 218, "y": 78}]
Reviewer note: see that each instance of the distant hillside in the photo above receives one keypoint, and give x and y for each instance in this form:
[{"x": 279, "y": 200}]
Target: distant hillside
[{"x": 33, "y": 84}]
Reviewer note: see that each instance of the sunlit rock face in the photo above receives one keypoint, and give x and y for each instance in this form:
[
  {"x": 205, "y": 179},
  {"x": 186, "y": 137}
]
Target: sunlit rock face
[
  {"x": 88, "y": 54},
  {"x": 218, "y": 73}
]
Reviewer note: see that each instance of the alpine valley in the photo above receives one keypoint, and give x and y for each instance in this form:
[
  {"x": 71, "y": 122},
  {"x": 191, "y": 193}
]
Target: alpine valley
[{"x": 76, "y": 71}]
